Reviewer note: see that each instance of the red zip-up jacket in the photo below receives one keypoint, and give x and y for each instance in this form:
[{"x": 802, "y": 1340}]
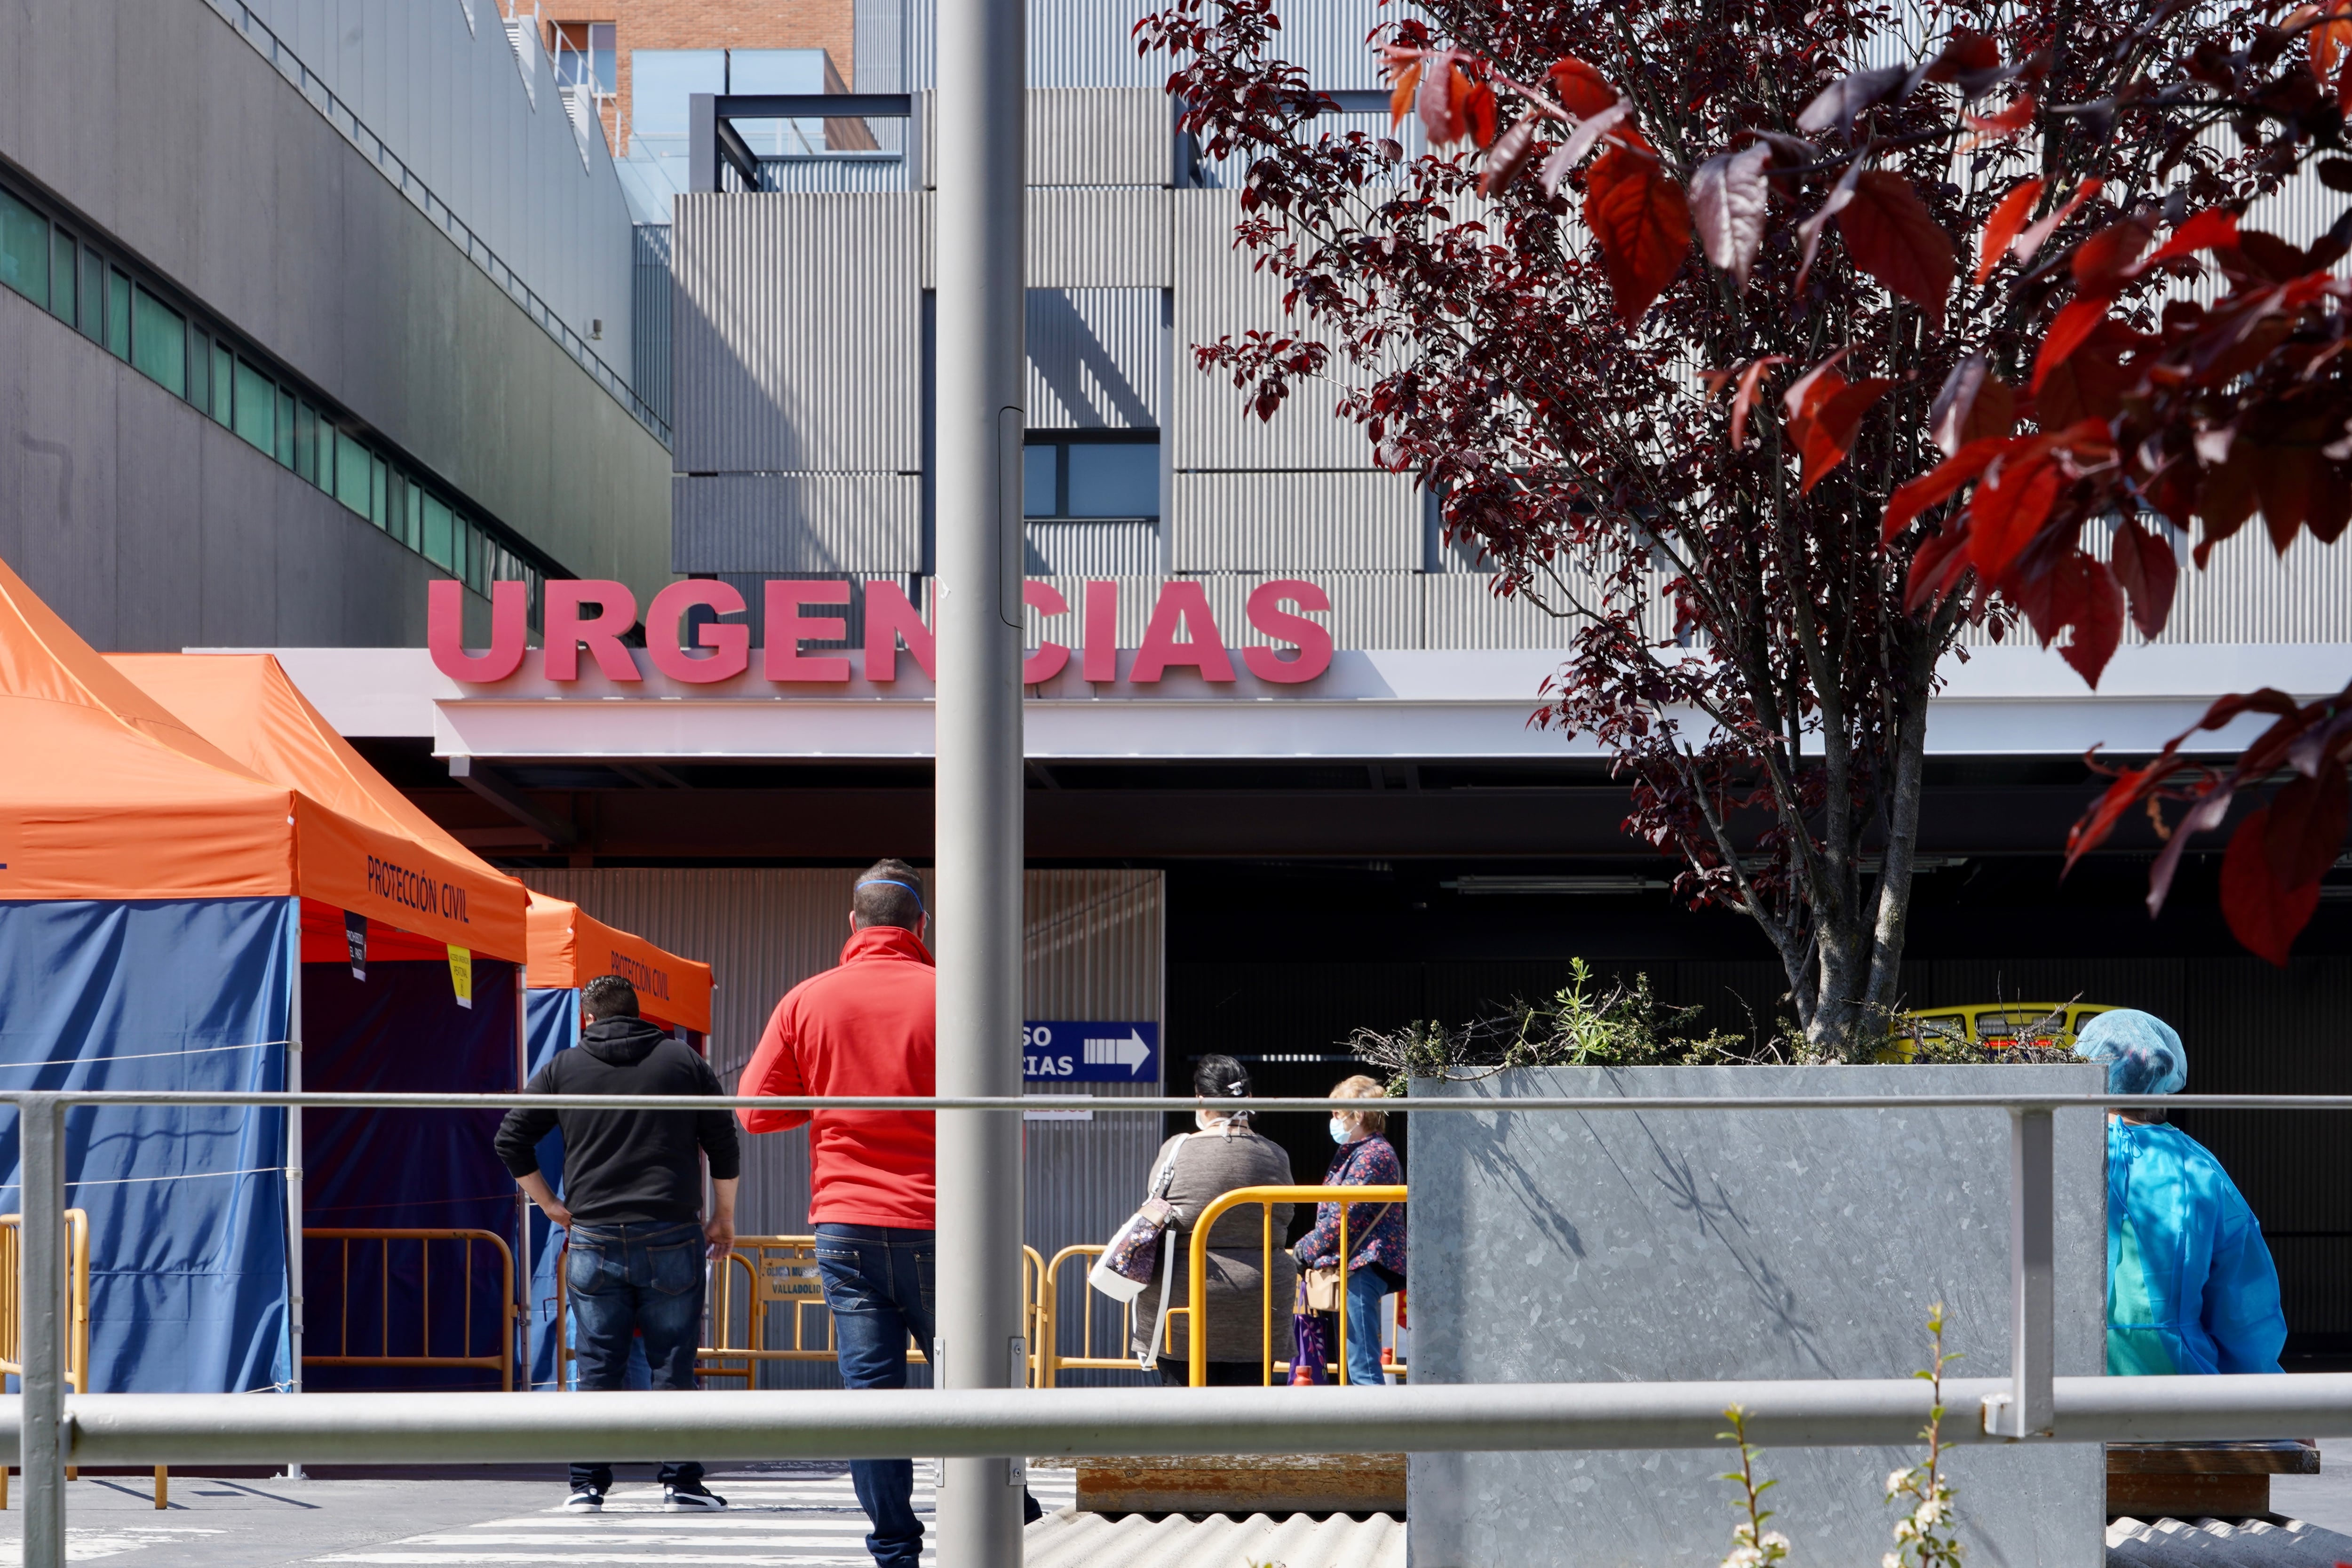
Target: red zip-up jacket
[{"x": 869, "y": 1026}]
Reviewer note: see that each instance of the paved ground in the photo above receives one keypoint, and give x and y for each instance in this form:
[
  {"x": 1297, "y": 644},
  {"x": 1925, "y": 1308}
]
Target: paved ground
[
  {"x": 2326, "y": 1499},
  {"x": 800, "y": 1515}
]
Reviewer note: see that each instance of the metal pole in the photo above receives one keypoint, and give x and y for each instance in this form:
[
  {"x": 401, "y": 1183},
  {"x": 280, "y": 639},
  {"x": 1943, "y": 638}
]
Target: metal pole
[
  {"x": 2029, "y": 1410},
  {"x": 978, "y": 619},
  {"x": 40, "y": 1134},
  {"x": 294, "y": 1181}
]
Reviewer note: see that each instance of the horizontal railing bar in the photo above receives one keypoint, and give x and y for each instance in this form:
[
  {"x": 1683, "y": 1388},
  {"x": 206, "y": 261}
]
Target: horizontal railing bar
[
  {"x": 1175, "y": 1103},
  {"x": 421, "y": 1428}
]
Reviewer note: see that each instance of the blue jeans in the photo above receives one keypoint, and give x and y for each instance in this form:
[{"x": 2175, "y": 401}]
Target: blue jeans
[
  {"x": 634, "y": 1287},
  {"x": 1366, "y": 1290},
  {"x": 878, "y": 1280}
]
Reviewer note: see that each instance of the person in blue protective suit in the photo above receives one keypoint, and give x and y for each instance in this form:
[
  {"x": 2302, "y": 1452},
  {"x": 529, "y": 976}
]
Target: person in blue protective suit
[{"x": 2191, "y": 1287}]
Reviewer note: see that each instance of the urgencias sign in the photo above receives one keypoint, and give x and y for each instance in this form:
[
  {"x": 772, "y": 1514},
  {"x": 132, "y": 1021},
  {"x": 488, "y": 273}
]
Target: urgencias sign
[{"x": 591, "y": 613}]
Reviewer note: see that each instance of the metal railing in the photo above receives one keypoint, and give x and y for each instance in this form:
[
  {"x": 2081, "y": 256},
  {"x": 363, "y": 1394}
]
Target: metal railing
[
  {"x": 1049, "y": 1361},
  {"x": 1196, "y": 1327},
  {"x": 76, "y": 1367},
  {"x": 501, "y": 1361},
  {"x": 2031, "y": 1404}
]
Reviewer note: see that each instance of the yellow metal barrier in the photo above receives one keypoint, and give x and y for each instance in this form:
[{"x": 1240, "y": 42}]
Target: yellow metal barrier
[
  {"x": 780, "y": 1272},
  {"x": 77, "y": 1312},
  {"x": 1049, "y": 1361},
  {"x": 502, "y": 1363},
  {"x": 1996, "y": 1025},
  {"x": 1197, "y": 1327}
]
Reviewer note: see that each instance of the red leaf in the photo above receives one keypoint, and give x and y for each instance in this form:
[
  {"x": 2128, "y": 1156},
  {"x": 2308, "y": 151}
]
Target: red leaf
[
  {"x": 2264, "y": 917},
  {"x": 2000, "y": 230},
  {"x": 1966, "y": 51},
  {"x": 1840, "y": 195},
  {"x": 1507, "y": 159},
  {"x": 1408, "y": 82},
  {"x": 1440, "y": 102},
  {"x": 1891, "y": 235},
  {"x": 2325, "y": 42},
  {"x": 1937, "y": 567},
  {"x": 1589, "y": 131},
  {"x": 2102, "y": 262},
  {"x": 1814, "y": 388},
  {"x": 2084, "y": 596},
  {"x": 1744, "y": 398},
  {"x": 2026, "y": 244},
  {"x": 1973, "y": 402},
  {"x": 1729, "y": 197},
  {"x": 2308, "y": 819},
  {"x": 1641, "y": 220},
  {"x": 2007, "y": 511},
  {"x": 1477, "y": 109},
  {"x": 2076, "y": 321},
  {"x": 1828, "y": 433},
  {"x": 1583, "y": 90},
  {"x": 2212, "y": 229},
  {"x": 1937, "y": 484},
  {"x": 2143, "y": 564},
  {"x": 2001, "y": 127}
]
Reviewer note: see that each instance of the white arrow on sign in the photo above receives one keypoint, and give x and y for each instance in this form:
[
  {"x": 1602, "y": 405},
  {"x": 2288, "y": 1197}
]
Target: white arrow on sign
[{"x": 1131, "y": 1053}]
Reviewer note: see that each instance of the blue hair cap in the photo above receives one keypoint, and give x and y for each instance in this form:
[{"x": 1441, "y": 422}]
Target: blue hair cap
[{"x": 2143, "y": 1053}]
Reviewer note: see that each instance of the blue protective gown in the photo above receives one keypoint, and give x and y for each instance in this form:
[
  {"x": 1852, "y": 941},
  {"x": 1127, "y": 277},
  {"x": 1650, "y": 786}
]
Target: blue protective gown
[{"x": 2191, "y": 1287}]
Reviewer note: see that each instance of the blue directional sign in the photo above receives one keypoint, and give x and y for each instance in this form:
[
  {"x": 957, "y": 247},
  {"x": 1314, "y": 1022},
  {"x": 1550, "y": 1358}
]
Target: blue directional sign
[{"x": 1059, "y": 1051}]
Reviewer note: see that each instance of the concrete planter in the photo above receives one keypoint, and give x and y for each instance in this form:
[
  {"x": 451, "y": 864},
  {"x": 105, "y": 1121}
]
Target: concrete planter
[{"x": 1687, "y": 1245}]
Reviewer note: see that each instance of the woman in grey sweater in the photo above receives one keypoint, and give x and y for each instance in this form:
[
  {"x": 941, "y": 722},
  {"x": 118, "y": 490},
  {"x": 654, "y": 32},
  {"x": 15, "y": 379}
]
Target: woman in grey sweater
[{"x": 1222, "y": 1155}]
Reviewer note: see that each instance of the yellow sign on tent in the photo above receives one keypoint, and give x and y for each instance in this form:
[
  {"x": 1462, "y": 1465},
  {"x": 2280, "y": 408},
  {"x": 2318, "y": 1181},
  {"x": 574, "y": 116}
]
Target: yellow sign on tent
[{"x": 461, "y": 974}]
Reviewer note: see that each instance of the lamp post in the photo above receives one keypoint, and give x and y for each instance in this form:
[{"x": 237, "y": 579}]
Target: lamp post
[{"x": 980, "y": 423}]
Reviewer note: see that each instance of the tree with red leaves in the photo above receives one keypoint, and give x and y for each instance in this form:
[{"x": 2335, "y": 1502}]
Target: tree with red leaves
[{"x": 1638, "y": 230}]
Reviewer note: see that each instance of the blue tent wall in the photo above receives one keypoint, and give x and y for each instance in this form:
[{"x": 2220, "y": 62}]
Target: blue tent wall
[
  {"x": 187, "y": 1206},
  {"x": 551, "y": 1023},
  {"x": 400, "y": 1031}
]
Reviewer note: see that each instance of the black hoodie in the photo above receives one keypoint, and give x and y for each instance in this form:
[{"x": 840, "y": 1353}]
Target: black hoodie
[{"x": 626, "y": 1167}]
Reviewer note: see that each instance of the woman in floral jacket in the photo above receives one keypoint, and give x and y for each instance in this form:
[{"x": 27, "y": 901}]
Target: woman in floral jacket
[{"x": 1375, "y": 1231}]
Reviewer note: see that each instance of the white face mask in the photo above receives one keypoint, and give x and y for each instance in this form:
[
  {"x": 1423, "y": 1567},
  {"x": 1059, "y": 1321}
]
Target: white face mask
[{"x": 1341, "y": 1132}]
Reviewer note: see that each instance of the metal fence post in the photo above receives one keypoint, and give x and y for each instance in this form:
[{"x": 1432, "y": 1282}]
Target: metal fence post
[
  {"x": 41, "y": 1314},
  {"x": 2029, "y": 1409}
]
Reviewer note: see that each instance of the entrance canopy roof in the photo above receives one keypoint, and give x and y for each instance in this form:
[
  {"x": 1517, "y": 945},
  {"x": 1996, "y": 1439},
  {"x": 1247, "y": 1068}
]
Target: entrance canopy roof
[{"x": 362, "y": 845}]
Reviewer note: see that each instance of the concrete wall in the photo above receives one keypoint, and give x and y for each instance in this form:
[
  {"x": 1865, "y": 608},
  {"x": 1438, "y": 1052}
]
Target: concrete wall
[
  {"x": 163, "y": 126},
  {"x": 1692, "y": 1246},
  {"x": 150, "y": 528}
]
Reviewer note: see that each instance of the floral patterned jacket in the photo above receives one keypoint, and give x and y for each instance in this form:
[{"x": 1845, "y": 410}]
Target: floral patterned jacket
[{"x": 1367, "y": 1163}]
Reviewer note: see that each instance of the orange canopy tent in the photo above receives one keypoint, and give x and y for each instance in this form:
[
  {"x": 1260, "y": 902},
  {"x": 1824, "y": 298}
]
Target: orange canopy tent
[
  {"x": 570, "y": 947},
  {"x": 247, "y": 706}
]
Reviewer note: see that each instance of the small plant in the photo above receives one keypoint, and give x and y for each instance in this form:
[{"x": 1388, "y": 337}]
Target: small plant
[
  {"x": 1752, "y": 1545},
  {"x": 1929, "y": 1536}
]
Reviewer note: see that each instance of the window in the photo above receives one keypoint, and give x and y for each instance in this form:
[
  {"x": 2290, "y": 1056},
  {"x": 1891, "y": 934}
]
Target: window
[
  {"x": 257, "y": 408},
  {"x": 93, "y": 294},
  {"x": 661, "y": 80},
  {"x": 306, "y": 441},
  {"x": 1090, "y": 474},
  {"x": 224, "y": 382},
  {"x": 117, "y": 315},
  {"x": 24, "y": 250},
  {"x": 437, "y": 532},
  {"x": 61, "y": 276},
  {"x": 777, "y": 70},
  {"x": 585, "y": 56},
  {"x": 350, "y": 473},
  {"x": 159, "y": 343},
  {"x": 285, "y": 452}
]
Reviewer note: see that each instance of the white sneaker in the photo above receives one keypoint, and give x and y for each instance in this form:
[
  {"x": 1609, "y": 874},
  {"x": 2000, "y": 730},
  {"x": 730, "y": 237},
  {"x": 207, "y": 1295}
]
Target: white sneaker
[
  {"x": 584, "y": 1499},
  {"x": 691, "y": 1498}
]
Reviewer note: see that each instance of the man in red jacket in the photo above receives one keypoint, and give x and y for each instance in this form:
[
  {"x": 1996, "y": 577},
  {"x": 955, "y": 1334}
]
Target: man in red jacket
[{"x": 867, "y": 1026}]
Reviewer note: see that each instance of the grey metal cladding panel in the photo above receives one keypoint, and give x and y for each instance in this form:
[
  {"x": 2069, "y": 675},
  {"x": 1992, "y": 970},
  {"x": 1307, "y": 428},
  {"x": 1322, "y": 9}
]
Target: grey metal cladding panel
[
  {"x": 2248, "y": 593},
  {"x": 1099, "y": 136},
  {"x": 1218, "y": 296},
  {"x": 1460, "y": 610},
  {"x": 1095, "y": 547},
  {"x": 1097, "y": 358},
  {"x": 649, "y": 317},
  {"x": 1097, "y": 238},
  {"x": 796, "y": 332},
  {"x": 1295, "y": 521},
  {"x": 796, "y": 522}
]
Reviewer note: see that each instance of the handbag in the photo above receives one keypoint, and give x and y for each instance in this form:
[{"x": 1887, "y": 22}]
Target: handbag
[
  {"x": 1128, "y": 1264},
  {"x": 1325, "y": 1286}
]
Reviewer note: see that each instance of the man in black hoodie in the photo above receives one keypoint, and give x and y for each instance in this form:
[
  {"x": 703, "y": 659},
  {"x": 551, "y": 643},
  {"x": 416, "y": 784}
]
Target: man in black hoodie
[{"x": 633, "y": 1205}]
